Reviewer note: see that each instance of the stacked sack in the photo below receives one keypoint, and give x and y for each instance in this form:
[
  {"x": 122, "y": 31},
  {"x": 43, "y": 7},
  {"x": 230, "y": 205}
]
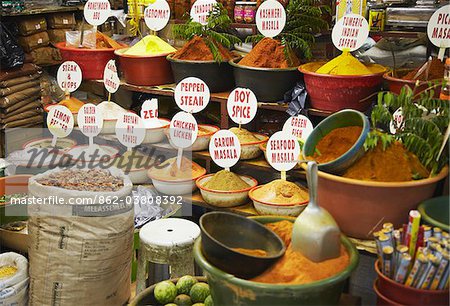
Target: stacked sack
[
  {"x": 13, "y": 279},
  {"x": 58, "y": 24},
  {"x": 35, "y": 41},
  {"x": 20, "y": 97}
]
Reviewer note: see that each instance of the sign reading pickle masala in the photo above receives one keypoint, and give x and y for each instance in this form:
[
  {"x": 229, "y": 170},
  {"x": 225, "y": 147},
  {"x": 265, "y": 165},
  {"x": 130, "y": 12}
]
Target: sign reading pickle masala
[
  {"x": 242, "y": 105},
  {"x": 157, "y": 15},
  {"x": 350, "y": 32},
  {"x": 96, "y": 12},
  {"x": 201, "y": 9},
  {"x": 130, "y": 130},
  {"x": 183, "y": 130},
  {"x": 283, "y": 151},
  {"x": 270, "y": 18},
  {"x": 192, "y": 95},
  {"x": 225, "y": 148}
]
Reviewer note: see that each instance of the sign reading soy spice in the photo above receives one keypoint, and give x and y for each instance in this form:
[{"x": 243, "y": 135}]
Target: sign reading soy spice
[
  {"x": 270, "y": 18},
  {"x": 283, "y": 151},
  {"x": 192, "y": 95},
  {"x": 130, "y": 130},
  {"x": 242, "y": 105},
  {"x": 350, "y": 32},
  {"x": 225, "y": 149}
]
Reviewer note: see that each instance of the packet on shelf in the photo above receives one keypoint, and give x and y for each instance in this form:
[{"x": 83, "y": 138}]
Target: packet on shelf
[
  {"x": 150, "y": 45},
  {"x": 225, "y": 180},
  {"x": 281, "y": 192},
  {"x": 347, "y": 64}
]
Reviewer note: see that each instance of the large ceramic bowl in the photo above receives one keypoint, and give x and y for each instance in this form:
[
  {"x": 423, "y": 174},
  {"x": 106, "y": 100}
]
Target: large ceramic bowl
[
  {"x": 227, "y": 289},
  {"x": 156, "y": 134},
  {"x": 395, "y": 84},
  {"x": 63, "y": 144},
  {"x": 266, "y": 208},
  {"x": 268, "y": 84},
  {"x": 361, "y": 207},
  {"x": 251, "y": 150},
  {"x": 337, "y": 92},
  {"x": 344, "y": 118},
  {"x": 202, "y": 141},
  {"x": 436, "y": 212},
  {"x": 220, "y": 198}
]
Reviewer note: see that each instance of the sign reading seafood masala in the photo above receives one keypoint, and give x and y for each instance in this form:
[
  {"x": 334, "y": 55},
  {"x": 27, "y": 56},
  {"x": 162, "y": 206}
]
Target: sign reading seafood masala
[{"x": 283, "y": 150}]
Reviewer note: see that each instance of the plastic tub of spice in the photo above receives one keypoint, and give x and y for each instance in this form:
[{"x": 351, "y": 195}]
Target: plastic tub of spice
[{"x": 226, "y": 289}]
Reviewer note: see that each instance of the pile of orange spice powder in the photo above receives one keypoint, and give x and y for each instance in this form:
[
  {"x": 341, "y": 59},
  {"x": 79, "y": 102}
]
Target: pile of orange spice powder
[
  {"x": 269, "y": 53},
  {"x": 294, "y": 268},
  {"x": 197, "y": 50}
]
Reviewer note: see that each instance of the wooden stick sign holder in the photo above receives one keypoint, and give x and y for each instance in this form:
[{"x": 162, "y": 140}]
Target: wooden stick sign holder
[{"x": 282, "y": 152}]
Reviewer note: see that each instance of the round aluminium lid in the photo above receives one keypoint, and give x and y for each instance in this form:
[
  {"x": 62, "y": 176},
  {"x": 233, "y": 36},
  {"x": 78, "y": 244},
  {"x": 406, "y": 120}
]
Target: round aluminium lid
[{"x": 169, "y": 232}]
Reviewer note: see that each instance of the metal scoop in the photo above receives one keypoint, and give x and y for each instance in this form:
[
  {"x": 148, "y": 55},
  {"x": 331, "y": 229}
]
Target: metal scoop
[{"x": 316, "y": 235}]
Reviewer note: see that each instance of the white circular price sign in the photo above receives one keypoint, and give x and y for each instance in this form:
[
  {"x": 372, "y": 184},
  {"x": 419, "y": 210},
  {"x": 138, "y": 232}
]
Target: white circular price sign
[
  {"x": 270, "y": 18},
  {"x": 90, "y": 120},
  {"x": 183, "y": 130},
  {"x": 242, "y": 105},
  {"x": 110, "y": 77},
  {"x": 201, "y": 9},
  {"x": 350, "y": 32},
  {"x": 192, "y": 95},
  {"x": 157, "y": 15},
  {"x": 438, "y": 29},
  {"x": 130, "y": 130},
  {"x": 69, "y": 76},
  {"x": 283, "y": 150},
  {"x": 60, "y": 121},
  {"x": 149, "y": 113},
  {"x": 97, "y": 12},
  {"x": 299, "y": 126},
  {"x": 224, "y": 148}
]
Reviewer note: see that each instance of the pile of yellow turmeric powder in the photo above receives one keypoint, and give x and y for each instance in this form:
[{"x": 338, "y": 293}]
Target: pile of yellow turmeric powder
[
  {"x": 347, "y": 64},
  {"x": 294, "y": 268}
]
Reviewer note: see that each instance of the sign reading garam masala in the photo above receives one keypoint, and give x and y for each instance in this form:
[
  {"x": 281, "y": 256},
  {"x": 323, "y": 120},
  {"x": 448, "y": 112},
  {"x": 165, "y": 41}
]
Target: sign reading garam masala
[
  {"x": 130, "y": 130},
  {"x": 350, "y": 32},
  {"x": 149, "y": 113},
  {"x": 224, "y": 148},
  {"x": 192, "y": 95},
  {"x": 283, "y": 150},
  {"x": 242, "y": 105},
  {"x": 69, "y": 76},
  {"x": 90, "y": 120},
  {"x": 201, "y": 9},
  {"x": 183, "y": 130},
  {"x": 299, "y": 126},
  {"x": 157, "y": 15},
  {"x": 60, "y": 121},
  {"x": 110, "y": 77},
  {"x": 270, "y": 18},
  {"x": 97, "y": 12}
]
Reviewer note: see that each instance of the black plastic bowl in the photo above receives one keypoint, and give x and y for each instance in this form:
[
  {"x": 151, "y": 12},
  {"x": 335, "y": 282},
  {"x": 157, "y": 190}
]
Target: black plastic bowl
[
  {"x": 222, "y": 231},
  {"x": 218, "y": 76},
  {"x": 268, "y": 84}
]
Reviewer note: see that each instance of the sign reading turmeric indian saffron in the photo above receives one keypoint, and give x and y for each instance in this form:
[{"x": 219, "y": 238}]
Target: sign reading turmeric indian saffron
[
  {"x": 283, "y": 151},
  {"x": 96, "y": 12},
  {"x": 350, "y": 32},
  {"x": 183, "y": 130},
  {"x": 157, "y": 15},
  {"x": 110, "y": 77},
  {"x": 69, "y": 76},
  {"x": 130, "y": 130},
  {"x": 242, "y": 105},
  {"x": 270, "y": 18},
  {"x": 438, "y": 29},
  {"x": 192, "y": 95},
  {"x": 225, "y": 148},
  {"x": 201, "y": 9}
]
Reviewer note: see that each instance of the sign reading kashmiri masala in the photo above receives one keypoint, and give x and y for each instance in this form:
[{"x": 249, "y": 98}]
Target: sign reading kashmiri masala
[{"x": 270, "y": 18}]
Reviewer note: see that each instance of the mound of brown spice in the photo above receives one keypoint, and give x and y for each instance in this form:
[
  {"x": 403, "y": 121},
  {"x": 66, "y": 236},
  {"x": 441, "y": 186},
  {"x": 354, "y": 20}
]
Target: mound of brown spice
[
  {"x": 197, "y": 50},
  {"x": 269, "y": 53},
  {"x": 435, "y": 72}
]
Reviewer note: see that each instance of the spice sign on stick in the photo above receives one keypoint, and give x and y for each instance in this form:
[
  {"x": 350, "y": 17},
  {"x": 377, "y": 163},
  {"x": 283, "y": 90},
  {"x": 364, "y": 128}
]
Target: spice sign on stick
[
  {"x": 149, "y": 114},
  {"x": 201, "y": 9},
  {"x": 397, "y": 122},
  {"x": 270, "y": 18},
  {"x": 242, "y": 105},
  {"x": 90, "y": 121},
  {"x": 157, "y": 15},
  {"x": 282, "y": 152},
  {"x": 96, "y": 12},
  {"x": 110, "y": 77},
  {"x": 183, "y": 130},
  {"x": 299, "y": 126},
  {"x": 438, "y": 29},
  {"x": 130, "y": 130},
  {"x": 60, "y": 122},
  {"x": 69, "y": 76},
  {"x": 192, "y": 95},
  {"x": 350, "y": 32},
  {"x": 225, "y": 149}
]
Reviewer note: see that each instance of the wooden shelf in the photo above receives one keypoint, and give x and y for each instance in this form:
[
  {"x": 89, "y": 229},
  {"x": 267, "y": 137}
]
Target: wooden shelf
[
  {"x": 244, "y": 210},
  {"x": 45, "y": 10}
]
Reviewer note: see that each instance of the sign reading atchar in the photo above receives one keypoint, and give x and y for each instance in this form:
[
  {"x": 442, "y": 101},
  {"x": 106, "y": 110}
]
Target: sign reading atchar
[
  {"x": 270, "y": 18},
  {"x": 350, "y": 32},
  {"x": 192, "y": 95},
  {"x": 224, "y": 148},
  {"x": 242, "y": 105}
]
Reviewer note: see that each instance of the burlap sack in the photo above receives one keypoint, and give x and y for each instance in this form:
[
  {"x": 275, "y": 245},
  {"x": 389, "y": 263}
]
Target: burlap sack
[
  {"x": 26, "y": 69},
  {"x": 22, "y": 115},
  {"x": 46, "y": 56},
  {"x": 13, "y": 89},
  {"x": 34, "y": 41},
  {"x": 22, "y": 103},
  {"x": 35, "y": 105},
  {"x": 57, "y": 35},
  {"x": 24, "y": 122},
  {"x": 28, "y": 26},
  {"x": 19, "y": 80},
  {"x": 79, "y": 254},
  {"x": 61, "y": 21},
  {"x": 19, "y": 96},
  {"x": 28, "y": 58}
]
